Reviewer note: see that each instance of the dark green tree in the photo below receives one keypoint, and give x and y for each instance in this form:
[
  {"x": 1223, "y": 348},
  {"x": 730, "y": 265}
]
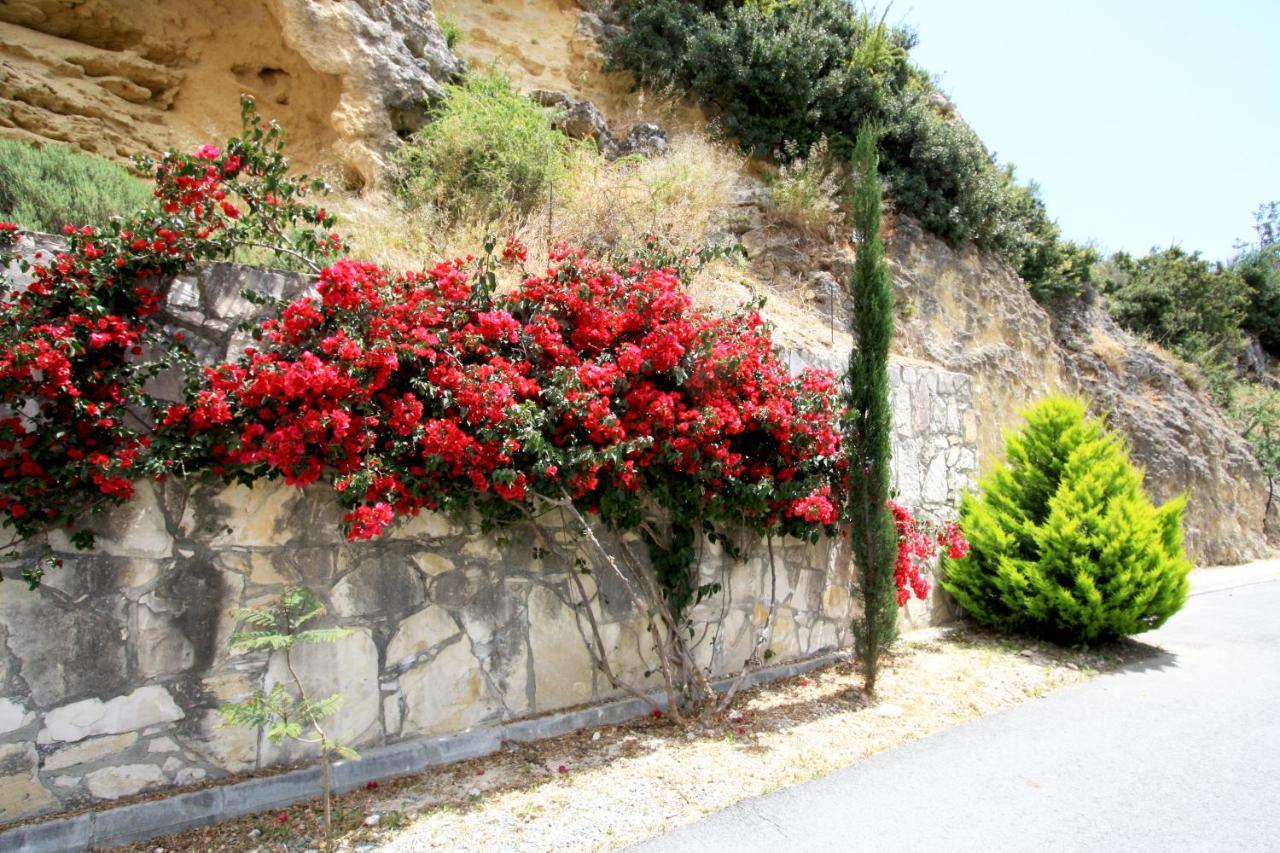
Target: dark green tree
[
  {"x": 1259, "y": 266},
  {"x": 1179, "y": 300},
  {"x": 872, "y": 532},
  {"x": 1064, "y": 543},
  {"x": 781, "y": 75}
]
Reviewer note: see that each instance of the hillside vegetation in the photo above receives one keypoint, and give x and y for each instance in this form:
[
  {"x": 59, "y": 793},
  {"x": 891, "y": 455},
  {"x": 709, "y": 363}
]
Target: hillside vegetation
[
  {"x": 764, "y": 187},
  {"x": 784, "y": 76}
]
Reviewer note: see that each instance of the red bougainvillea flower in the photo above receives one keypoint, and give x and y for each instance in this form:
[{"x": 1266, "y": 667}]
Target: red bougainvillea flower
[
  {"x": 605, "y": 385},
  {"x": 917, "y": 543}
]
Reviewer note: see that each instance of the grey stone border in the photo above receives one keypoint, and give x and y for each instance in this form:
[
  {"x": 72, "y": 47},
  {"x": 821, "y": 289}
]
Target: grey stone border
[{"x": 181, "y": 812}]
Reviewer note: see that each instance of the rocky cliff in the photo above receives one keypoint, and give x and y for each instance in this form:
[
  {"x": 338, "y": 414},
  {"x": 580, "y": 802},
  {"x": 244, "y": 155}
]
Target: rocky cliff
[
  {"x": 970, "y": 312},
  {"x": 114, "y": 76},
  {"x": 119, "y": 76}
]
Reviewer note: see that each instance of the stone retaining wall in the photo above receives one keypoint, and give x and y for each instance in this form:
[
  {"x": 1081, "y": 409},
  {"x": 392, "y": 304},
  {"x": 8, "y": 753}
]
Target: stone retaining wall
[{"x": 112, "y": 671}]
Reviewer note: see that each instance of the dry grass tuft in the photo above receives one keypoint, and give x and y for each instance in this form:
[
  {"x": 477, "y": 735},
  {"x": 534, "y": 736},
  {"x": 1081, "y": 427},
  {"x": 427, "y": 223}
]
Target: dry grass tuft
[
  {"x": 805, "y": 193},
  {"x": 604, "y": 207},
  {"x": 678, "y": 197},
  {"x": 1112, "y": 352}
]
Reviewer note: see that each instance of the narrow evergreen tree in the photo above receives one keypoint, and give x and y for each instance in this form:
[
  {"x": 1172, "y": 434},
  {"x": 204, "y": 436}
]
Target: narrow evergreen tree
[
  {"x": 872, "y": 532},
  {"x": 1064, "y": 543}
]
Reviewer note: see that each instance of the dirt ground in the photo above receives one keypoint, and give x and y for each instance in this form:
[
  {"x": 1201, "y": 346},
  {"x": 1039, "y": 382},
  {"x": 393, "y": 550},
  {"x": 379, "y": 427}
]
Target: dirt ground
[{"x": 605, "y": 788}]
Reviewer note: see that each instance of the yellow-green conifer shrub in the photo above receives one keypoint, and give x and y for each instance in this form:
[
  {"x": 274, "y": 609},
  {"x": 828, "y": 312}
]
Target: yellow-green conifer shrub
[{"x": 1065, "y": 544}]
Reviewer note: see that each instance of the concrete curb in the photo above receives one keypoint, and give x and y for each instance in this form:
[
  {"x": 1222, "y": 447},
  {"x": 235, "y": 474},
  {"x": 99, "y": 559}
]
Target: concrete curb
[{"x": 140, "y": 821}]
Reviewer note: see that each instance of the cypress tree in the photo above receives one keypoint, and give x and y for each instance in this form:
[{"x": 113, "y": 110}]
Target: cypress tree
[
  {"x": 1064, "y": 543},
  {"x": 872, "y": 533}
]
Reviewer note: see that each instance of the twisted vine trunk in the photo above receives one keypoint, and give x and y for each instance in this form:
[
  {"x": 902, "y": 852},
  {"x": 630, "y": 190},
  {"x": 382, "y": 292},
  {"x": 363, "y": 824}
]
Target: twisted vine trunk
[{"x": 873, "y": 536}]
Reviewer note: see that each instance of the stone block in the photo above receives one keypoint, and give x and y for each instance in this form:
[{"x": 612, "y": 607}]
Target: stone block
[
  {"x": 426, "y": 525},
  {"x": 254, "y": 516},
  {"x": 386, "y": 762},
  {"x": 392, "y": 714},
  {"x": 233, "y": 748},
  {"x": 13, "y": 716},
  {"x": 21, "y": 793},
  {"x": 348, "y": 666},
  {"x": 189, "y": 776},
  {"x": 89, "y": 750},
  {"x": 143, "y": 707},
  {"x": 163, "y": 744},
  {"x": 835, "y": 602},
  {"x": 432, "y": 564},
  {"x": 461, "y": 746},
  {"x": 161, "y": 645},
  {"x": 138, "y": 528},
  {"x": 446, "y": 693},
  {"x": 270, "y": 792},
  {"x": 383, "y": 587},
  {"x": 421, "y": 632},
  {"x": 125, "y": 780},
  {"x": 67, "y": 650},
  {"x": 562, "y": 669}
]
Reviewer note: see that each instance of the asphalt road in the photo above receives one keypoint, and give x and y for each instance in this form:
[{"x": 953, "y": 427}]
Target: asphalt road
[{"x": 1179, "y": 752}]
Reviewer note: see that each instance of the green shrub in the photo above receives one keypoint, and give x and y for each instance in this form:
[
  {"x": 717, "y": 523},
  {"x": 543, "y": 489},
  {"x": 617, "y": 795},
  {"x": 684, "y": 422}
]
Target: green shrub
[
  {"x": 47, "y": 187},
  {"x": 488, "y": 150},
  {"x": 1186, "y": 304},
  {"x": 453, "y": 33},
  {"x": 1256, "y": 410},
  {"x": 1065, "y": 545},
  {"x": 777, "y": 72},
  {"x": 1260, "y": 272},
  {"x": 1259, "y": 266},
  {"x": 785, "y": 75}
]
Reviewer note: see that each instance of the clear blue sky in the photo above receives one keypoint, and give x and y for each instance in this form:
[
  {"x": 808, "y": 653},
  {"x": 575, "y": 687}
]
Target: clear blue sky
[{"x": 1145, "y": 123}]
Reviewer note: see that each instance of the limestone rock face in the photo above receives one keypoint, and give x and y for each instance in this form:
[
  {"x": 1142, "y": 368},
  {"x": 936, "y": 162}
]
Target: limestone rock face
[
  {"x": 1182, "y": 440},
  {"x": 119, "y": 76},
  {"x": 969, "y": 312}
]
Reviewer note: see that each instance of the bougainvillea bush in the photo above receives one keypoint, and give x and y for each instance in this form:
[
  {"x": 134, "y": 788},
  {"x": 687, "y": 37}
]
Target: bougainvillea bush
[
  {"x": 594, "y": 386},
  {"x": 79, "y": 344},
  {"x": 422, "y": 390}
]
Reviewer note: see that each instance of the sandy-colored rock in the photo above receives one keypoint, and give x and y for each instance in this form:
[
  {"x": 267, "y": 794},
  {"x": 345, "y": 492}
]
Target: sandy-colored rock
[
  {"x": 139, "y": 709},
  {"x": 561, "y": 663},
  {"x": 13, "y": 716},
  {"x": 21, "y": 793},
  {"x": 89, "y": 750},
  {"x": 420, "y": 632},
  {"x": 112, "y": 783},
  {"x": 969, "y": 312},
  {"x": 445, "y": 694},
  {"x": 128, "y": 75},
  {"x": 556, "y": 45},
  {"x": 256, "y": 516}
]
